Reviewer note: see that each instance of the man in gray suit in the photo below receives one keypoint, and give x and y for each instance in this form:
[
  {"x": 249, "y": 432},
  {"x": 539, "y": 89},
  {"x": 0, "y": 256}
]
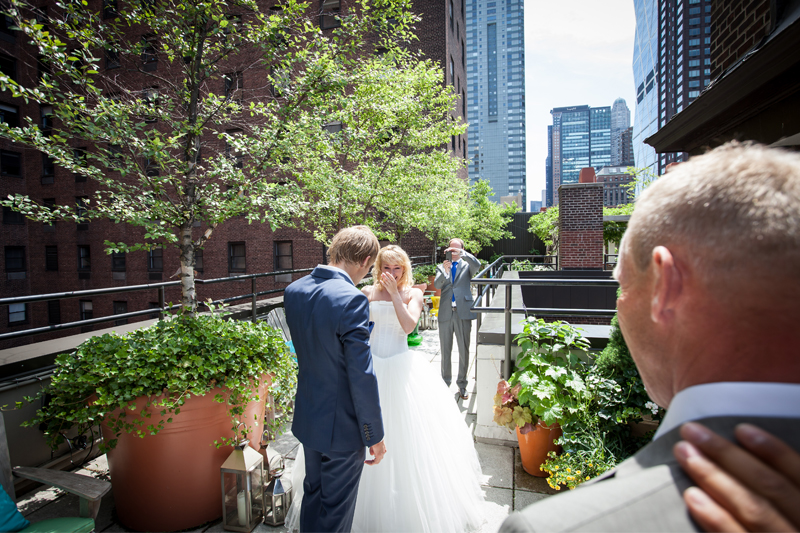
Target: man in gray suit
[
  {"x": 710, "y": 309},
  {"x": 455, "y": 317}
]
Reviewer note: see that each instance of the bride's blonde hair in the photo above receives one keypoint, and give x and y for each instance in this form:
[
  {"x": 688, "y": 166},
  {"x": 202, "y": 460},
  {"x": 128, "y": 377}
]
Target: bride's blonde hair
[{"x": 393, "y": 255}]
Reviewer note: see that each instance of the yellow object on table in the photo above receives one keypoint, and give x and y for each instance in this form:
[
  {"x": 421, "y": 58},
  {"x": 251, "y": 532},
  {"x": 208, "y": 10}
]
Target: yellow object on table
[{"x": 435, "y": 305}]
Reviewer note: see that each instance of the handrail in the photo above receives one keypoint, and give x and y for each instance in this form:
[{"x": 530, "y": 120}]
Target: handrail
[
  {"x": 162, "y": 307},
  {"x": 489, "y": 278}
]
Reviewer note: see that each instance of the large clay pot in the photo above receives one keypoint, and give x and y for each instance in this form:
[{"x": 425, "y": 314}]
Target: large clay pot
[
  {"x": 535, "y": 445},
  {"x": 171, "y": 480}
]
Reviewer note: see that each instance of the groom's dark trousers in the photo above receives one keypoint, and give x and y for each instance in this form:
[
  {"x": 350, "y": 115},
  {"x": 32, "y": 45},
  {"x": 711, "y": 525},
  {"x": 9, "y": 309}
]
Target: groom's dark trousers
[{"x": 337, "y": 408}]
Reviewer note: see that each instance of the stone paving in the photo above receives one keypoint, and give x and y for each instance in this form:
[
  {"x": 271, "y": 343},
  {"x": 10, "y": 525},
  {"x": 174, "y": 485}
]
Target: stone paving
[{"x": 505, "y": 484}]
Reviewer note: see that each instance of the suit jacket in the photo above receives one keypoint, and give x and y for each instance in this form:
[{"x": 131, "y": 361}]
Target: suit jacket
[
  {"x": 643, "y": 493},
  {"x": 337, "y": 407},
  {"x": 466, "y": 269}
]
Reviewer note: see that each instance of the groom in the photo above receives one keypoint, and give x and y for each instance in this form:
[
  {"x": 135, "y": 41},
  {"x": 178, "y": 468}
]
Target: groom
[
  {"x": 337, "y": 409},
  {"x": 453, "y": 278}
]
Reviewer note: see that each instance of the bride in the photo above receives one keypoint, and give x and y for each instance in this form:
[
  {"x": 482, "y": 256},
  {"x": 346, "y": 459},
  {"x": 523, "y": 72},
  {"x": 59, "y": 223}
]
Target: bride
[{"x": 429, "y": 480}]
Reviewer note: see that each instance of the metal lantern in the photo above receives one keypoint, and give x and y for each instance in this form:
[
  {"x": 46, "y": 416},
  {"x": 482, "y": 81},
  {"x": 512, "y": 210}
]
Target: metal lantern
[
  {"x": 242, "y": 476},
  {"x": 277, "y": 497}
]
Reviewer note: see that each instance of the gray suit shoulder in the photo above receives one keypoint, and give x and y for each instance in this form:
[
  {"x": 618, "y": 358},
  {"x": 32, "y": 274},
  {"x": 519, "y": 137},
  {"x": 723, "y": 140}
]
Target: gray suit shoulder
[{"x": 650, "y": 500}]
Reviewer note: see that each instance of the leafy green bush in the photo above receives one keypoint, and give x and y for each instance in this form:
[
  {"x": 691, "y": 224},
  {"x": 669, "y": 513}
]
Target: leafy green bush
[
  {"x": 525, "y": 265},
  {"x": 425, "y": 270},
  {"x": 173, "y": 359}
]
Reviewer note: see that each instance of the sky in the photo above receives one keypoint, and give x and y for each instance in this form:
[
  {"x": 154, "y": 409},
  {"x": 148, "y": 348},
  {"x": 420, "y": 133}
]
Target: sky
[{"x": 577, "y": 52}]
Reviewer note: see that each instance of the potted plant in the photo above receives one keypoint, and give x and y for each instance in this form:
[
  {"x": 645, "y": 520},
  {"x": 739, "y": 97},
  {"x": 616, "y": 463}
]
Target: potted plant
[
  {"x": 168, "y": 398},
  {"x": 426, "y": 274},
  {"x": 420, "y": 279},
  {"x": 545, "y": 390}
]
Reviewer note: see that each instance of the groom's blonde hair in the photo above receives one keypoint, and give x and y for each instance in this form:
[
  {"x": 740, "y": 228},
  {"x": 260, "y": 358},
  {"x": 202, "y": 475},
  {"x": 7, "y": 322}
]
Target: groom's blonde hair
[
  {"x": 393, "y": 255},
  {"x": 353, "y": 245}
]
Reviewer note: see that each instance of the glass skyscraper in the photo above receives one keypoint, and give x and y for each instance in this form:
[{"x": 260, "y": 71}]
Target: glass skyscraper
[
  {"x": 671, "y": 66},
  {"x": 496, "y": 86},
  {"x": 580, "y": 137}
]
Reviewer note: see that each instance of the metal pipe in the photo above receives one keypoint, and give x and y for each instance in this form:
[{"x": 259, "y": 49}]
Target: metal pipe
[
  {"x": 161, "y": 302},
  {"x": 253, "y": 303},
  {"x": 507, "y": 361}
]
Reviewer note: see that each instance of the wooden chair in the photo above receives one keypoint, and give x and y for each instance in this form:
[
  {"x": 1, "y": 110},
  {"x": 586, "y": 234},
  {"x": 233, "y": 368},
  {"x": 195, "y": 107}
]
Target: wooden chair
[
  {"x": 276, "y": 318},
  {"x": 88, "y": 489}
]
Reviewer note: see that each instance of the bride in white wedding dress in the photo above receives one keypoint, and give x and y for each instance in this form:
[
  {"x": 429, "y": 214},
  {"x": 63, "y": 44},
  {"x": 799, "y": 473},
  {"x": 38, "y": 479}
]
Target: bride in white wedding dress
[{"x": 429, "y": 479}]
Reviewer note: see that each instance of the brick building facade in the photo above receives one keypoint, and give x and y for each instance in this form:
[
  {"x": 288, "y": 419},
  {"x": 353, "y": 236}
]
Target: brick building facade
[
  {"x": 580, "y": 220},
  {"x": 40, "y": 259}
]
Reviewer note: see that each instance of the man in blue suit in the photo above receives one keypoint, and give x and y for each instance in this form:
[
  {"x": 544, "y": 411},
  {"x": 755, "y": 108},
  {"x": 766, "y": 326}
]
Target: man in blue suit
[{"x": 337, "y": 409}]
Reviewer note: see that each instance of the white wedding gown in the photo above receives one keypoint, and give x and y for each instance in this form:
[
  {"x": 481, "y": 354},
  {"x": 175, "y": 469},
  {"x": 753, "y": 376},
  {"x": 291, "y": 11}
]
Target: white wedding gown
[{"x": 429, "y": 479}]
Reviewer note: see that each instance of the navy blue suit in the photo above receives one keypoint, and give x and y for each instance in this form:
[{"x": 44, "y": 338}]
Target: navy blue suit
[{"x": 337, "y": 408}]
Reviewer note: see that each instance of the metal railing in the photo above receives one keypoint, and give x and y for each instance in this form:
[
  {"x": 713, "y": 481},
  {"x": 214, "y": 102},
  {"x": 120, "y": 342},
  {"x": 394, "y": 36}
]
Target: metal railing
[
  {"x": 490, "y": 278},
  {"x": 608, "y": 264},
  {"x": 162, "y": 306}
]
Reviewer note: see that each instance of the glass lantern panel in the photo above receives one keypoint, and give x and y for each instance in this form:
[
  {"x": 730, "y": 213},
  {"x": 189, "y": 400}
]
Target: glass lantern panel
[
  {"x": 235, "y": 500},
  {"x": 257, "y": 492}
]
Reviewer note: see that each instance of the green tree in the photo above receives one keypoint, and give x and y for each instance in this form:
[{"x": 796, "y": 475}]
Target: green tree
[
  {"x": 179, "y": 136},
  {"x": 487, "y": 220}
]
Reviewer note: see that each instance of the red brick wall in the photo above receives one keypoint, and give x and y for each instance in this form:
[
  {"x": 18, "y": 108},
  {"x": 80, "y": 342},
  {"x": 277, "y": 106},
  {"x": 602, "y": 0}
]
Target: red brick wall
[
  {"x": 580, "y": 226},
  {"x": 738, "y": 26}
]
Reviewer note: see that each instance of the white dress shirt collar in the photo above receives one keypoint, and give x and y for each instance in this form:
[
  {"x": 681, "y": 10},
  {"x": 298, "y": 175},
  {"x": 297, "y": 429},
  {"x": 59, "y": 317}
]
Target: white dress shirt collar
[{"x": 754, "y": 399}]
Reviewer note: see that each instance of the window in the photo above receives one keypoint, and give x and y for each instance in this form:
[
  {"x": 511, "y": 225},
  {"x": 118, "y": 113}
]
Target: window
[
  {"x": 12, "y": 217},
  {"x": 48, "y": 169},
  {"x": 84, "y": 258},
  {"x": 86, "y": 309},
  {"x": 54, "y": 311},
  {"x": 46, "y": 119},
  {"x": 236, "y": 257},
  {"x": 51, "y": 258},
  {"x": 198, "y": 259},
  {"x": 120, "y": 308},
  {"x": 6, "y": 33},
  {"x": 81, "y": 156},
  {"x": 283, "y": 261},
  {"x": 8, "y": 66},
  {"x": 149, "y": 55},
  {"x": 17, "y": 314},
  {"x": 233, "y": 83},
  {"x": 333, "y": 127},
  {"x": 10, "y": 164},
  {"x": 9, "y": 114},
  {"x": 112, "y": 59},
  {"x": 15, "y": 262},
  {"x": 237, "y": 159},
  {"x": 109, "y": 9},
  {"x": 49, "y": 203},
  {"x": 155, "y": 260},
  {"x": 452, "y": 72},
  {"x": 329, "y": 14},
  {"x": 118, "y": 261},
  {"x": 80, "y": 205},
  {"x": 150, "y": 100}
]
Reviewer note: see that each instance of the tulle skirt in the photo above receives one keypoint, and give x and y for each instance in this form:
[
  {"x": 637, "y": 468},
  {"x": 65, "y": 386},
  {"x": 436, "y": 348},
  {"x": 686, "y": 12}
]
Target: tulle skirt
[{"x": 429, "y": 479}]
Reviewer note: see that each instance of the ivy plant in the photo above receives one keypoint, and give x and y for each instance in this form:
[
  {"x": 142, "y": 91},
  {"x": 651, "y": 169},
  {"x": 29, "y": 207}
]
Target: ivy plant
[{"x": 167, "y": 363}]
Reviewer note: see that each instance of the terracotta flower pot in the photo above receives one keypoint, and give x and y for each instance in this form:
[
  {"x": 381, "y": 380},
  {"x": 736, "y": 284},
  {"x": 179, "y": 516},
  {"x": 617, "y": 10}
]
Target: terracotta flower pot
[
  {"x": 535, "y": 445},
  {"x": 171, "y": 480},
  {"x": 436, "y": 292},
  {"x": 420, "y": 286}
]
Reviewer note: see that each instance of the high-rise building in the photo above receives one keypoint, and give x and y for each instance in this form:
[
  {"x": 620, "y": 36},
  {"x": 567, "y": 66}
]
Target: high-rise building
[
  {"x": 671, "y": 66},
  {"x": 496, "y": 78},
  {"x": 581, "y": 137},
  {"x": 620, "y": 121},
  {"x": 626, "y": 158},
  {"x": 547, "y": 193}
]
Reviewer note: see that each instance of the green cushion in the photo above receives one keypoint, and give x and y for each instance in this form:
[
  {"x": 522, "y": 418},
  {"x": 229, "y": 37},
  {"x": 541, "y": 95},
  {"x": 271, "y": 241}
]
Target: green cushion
[{"x": 61, "y": 525}]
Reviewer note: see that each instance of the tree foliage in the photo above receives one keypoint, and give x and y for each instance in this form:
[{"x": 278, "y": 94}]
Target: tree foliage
[
  {"x": 216, "y": 110},
  {"x": 487, "y": 220}
]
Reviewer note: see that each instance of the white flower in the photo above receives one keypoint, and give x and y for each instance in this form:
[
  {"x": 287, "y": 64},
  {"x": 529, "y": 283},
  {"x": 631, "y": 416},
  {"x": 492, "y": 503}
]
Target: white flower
[{"x": 652, "y": 406}]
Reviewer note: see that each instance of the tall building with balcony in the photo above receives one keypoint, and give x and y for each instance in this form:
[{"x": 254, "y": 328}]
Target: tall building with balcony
[
  {"x": 496, "y": 110},
  {"x": 620, "y": 121},
  {"x": 579, "y": 137},
  {"x": 671, "y": 67}
]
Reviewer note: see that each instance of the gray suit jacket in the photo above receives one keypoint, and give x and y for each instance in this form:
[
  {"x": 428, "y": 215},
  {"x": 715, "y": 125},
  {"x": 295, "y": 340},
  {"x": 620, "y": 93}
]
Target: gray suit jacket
[
  {"x": 467, "y": 267},
  {"x": 644, "y": 493}
]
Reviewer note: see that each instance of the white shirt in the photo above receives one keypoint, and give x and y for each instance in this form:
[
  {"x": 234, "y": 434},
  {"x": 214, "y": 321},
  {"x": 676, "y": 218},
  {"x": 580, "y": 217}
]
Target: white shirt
[
  {"x": 329, "y": 267},
  {"x": 755, "y": 399}
]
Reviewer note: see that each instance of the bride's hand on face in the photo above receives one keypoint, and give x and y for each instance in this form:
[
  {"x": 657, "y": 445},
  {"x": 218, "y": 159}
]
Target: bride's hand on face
[{"x": 389, "y": 284}]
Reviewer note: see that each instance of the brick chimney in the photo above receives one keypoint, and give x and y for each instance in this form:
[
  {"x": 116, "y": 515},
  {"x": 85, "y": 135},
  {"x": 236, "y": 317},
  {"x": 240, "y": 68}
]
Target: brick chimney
[
  {"x": 587, "y": 175},
  {"x": 580, "y": 221}
]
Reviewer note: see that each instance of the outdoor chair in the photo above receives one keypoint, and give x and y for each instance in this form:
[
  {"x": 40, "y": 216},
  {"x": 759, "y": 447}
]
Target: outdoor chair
[
  {"x": 276, "y": 318},
  {"x": 89, "y": 489}
]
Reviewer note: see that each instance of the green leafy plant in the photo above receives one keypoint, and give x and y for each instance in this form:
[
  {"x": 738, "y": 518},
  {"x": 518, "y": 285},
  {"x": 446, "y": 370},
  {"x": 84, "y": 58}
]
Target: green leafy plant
[
  {"x": 419, "y": 277},
  {"x": 549, "y": 373},
  {"x": 425, "y": 270},
  {"x": 167, "y": 363},
  {"x": 525, "y": 265}
]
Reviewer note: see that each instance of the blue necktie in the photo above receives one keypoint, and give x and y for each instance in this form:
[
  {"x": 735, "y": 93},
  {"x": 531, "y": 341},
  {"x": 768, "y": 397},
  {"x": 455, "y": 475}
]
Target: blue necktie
[{"x": 453, "y": 275}]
